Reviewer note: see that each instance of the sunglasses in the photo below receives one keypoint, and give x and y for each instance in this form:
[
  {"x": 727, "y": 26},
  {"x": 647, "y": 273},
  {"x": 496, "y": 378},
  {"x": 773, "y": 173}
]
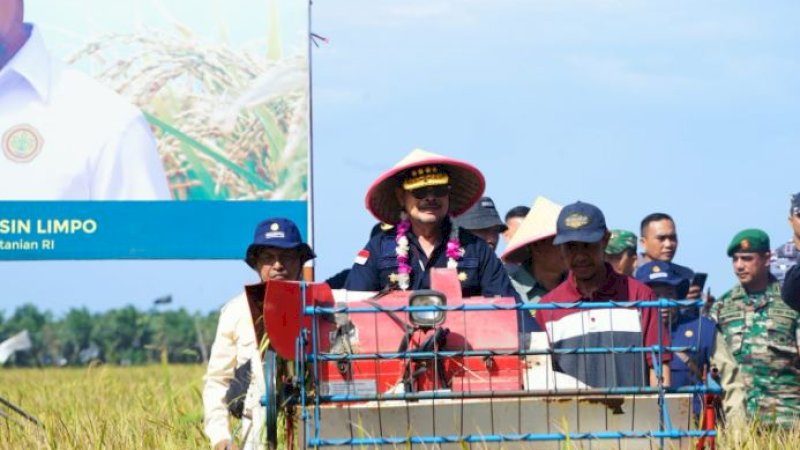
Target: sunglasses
[{"x": 436, "y": 191}]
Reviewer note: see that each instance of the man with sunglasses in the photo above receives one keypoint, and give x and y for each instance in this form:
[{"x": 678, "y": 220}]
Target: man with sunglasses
[
  {"x": 419, "y": 196},
  {"x": 234, "y": 380}
]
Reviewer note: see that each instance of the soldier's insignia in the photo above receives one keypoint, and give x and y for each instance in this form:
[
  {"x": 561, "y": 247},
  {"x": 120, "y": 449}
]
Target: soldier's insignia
[
  {"x": 576, "y": 220},
  {"x": 745, "y": 244},
  {"x": 274, "y": 227},
  {"x": 689, "y": 333},
  {"x": 656, "y": 269},
  {"x": 462, "y": 276},
  {"x": 22, "y": 143}
]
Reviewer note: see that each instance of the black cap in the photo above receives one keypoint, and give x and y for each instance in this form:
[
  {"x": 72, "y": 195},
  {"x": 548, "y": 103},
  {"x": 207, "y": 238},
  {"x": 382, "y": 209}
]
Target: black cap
[
  {"x": 580, "y": 222},
  {"x": 481, "y": 215}
]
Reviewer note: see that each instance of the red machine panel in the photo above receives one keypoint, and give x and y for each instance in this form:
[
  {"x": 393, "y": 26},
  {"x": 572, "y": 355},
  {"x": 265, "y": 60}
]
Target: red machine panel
[{"x": 383, "y": 332}]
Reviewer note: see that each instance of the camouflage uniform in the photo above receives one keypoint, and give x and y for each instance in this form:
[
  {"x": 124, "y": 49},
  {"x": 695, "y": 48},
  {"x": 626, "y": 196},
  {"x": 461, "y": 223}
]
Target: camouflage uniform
[{"x": 762, "y": 333}]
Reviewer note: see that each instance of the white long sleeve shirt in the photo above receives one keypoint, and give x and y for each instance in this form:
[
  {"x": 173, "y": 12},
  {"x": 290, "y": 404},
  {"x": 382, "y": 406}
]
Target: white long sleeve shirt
[
  {"x": 234, "y": 344},
  {"x": 65, "y": 136}
]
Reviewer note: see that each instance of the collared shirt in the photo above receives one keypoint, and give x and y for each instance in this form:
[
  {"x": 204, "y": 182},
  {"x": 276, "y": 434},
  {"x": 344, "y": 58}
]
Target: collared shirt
[
  {"x": 604, "y": 328},
  {"x": 235, "y": 344},
  {"x": 64, "y": 136},
  {"x": 528, "y": 288},
  {"x": 763, "y": 333},
  {"x": 481, "y": 270}
]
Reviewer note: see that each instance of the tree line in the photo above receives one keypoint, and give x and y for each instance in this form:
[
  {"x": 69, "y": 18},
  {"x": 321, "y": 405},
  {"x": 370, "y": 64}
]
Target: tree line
[{"x": 123, "y": 336}]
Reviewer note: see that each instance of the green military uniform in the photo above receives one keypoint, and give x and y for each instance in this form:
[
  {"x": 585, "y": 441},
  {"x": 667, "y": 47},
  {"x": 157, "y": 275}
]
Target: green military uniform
[{"x": 762, "y": 333}]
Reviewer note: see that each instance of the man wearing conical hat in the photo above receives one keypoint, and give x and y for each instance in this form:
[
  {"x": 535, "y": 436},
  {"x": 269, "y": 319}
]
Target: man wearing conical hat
[
  {"x": 535, "y": 265},
  {"x": 419, "y": 195}
]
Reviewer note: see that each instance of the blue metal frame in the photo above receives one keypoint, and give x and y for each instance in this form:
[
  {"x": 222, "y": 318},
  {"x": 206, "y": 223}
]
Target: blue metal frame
[{"x": 666, "y": 429}]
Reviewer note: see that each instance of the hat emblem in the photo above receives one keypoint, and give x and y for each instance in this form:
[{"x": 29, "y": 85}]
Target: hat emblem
[
  {"x": 689, "y": 333},
  {"x": 274, "y": 226},
  {"x": 745, "y": 244},
  {"x": 576, "y": 220},
  {"x": 656, "y": 269}
]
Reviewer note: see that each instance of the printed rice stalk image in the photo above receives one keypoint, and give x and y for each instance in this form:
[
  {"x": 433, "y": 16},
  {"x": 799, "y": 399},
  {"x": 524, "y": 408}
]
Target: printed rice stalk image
[{"x": 230, "y": 123}]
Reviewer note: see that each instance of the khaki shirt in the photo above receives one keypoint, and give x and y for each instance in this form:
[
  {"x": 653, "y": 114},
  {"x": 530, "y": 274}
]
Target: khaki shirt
[{"x": 234, "y": 344}]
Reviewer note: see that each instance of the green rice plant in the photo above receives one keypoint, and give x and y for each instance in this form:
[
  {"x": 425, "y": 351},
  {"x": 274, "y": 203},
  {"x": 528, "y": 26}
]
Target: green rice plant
[
  {"x": 230, "y": 123},
  {"x": 105, "y": 407}
]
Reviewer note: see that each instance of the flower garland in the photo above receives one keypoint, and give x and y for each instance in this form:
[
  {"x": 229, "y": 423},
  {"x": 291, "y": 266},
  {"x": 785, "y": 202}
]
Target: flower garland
[
  {"x": 403, "y": 276},
  {"x": 454, "y": 253}
]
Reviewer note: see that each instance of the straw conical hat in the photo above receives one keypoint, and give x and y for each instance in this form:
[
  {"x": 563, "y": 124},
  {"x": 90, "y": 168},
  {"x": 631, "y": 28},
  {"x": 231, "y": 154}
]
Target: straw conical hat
[
  {"x": 466, "y": 183},
  {"x": 540, "y": 223}
]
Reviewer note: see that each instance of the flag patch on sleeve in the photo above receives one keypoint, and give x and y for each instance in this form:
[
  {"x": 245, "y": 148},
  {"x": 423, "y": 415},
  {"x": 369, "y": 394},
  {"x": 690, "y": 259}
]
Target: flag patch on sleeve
[{"x": 362, "y": 257}]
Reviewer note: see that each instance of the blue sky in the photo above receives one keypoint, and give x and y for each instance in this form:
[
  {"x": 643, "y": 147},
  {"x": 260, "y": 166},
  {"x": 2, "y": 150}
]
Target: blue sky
[{"x": 683, "y": 107}]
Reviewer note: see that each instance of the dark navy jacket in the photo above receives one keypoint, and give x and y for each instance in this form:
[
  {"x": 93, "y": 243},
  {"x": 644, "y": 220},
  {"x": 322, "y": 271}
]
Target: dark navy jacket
[
  {"x": 485, "y": 273},
  {"x": 692, "y": 330},
  {"x": 791, "y": 287}
]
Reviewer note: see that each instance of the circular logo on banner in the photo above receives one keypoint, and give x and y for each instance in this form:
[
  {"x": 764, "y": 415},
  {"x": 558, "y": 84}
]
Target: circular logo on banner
[{"x": 22, "y": 143}]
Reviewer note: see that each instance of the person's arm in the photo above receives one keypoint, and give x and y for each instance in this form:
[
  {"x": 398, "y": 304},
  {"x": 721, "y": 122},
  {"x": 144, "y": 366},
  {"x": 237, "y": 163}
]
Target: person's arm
[
  {"x": 128, "y": 166},
  {"x": 665, "y": 372},
  {"x": 221, "y": 364},
  {"x": 734, "y": 396},
  {"x": 364, "y": 274},
  {"x": 790, "y": 292}
]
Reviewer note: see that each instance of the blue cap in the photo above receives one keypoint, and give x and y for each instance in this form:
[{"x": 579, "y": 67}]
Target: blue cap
[
  {"x": 796, "y": 203},
  {"x": 279, "y": 233},
  {"x": 580, "y": 222},
  {"x": 662, "y": 272}
]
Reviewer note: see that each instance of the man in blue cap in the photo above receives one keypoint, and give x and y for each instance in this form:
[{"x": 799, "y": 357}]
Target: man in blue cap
[
  {"x": 690, "y": 329},
  {"x": 277, "y": 253},
  {"x": 582, "y": 237}
]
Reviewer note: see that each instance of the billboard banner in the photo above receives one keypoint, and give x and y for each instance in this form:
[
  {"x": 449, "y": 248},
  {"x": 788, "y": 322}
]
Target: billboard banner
[{"x": 136, "y": 115}]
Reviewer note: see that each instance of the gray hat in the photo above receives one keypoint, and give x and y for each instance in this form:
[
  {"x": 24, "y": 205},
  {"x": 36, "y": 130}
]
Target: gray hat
[{"x": 481, "y": 215}]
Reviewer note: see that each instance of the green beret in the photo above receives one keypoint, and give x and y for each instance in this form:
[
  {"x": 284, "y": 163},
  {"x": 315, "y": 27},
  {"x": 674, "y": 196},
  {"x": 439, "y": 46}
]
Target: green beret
[
  {"x": 751, "y": 240},
  {"x": 620, "y": 241}
]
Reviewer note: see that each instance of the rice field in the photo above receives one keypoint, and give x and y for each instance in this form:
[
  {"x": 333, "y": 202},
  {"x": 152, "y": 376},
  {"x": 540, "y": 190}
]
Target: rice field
[
  {"x": 160, "y": 407},
  {"x": 108, "y": 407}
]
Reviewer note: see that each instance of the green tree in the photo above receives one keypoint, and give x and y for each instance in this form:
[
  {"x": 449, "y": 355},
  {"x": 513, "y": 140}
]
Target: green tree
[{"x": 28, "y": 317}]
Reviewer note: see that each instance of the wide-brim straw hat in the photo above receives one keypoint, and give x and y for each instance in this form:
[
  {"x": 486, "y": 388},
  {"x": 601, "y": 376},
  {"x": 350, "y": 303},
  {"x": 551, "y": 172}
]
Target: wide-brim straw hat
[
  {"x": 539, "y": 224},
  {"x": 466, "y": 185}
]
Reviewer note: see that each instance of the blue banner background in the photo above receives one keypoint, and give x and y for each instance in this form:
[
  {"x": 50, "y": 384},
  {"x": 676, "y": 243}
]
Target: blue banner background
[{"x": 138, "y": 230}]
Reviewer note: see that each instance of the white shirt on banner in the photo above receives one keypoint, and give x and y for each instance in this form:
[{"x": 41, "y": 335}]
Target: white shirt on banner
[{"x": 65, "y": 136}]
